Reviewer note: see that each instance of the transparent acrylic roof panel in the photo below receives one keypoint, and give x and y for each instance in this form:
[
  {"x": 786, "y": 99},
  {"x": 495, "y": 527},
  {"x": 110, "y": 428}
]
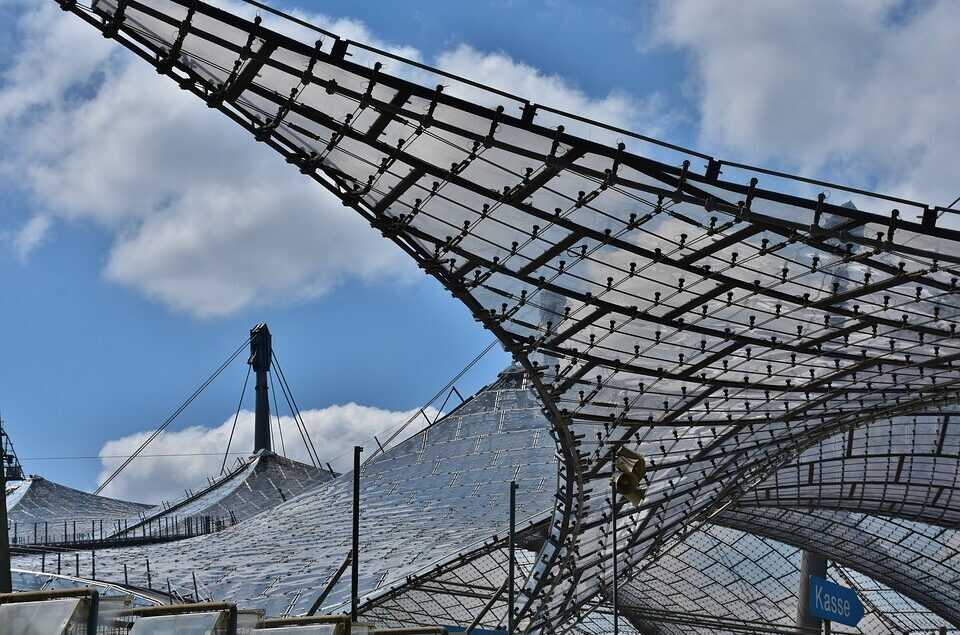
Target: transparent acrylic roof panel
[
  {"x": 438, "y": 493},
  {"x": 51, "y": 617},
  {"x": 313, "y": 629},
  {"x": 261, "y": 483},
  {"x": 898, "y": 466},
  {"x": 189, "y": 624},
  {"x": 728, "y": 573},
  {"x": 920, "y": 561},
  {"x": 717, "y": 325},
  {"x": 54, "y": 509}
]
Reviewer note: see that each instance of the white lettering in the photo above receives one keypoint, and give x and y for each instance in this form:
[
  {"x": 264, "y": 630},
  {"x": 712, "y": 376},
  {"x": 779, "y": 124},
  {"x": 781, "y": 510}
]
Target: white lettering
[{"x": 831, "y": 603}]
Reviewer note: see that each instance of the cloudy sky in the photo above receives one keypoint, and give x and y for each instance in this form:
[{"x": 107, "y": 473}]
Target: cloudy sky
[{"x": 141, "y": 235}]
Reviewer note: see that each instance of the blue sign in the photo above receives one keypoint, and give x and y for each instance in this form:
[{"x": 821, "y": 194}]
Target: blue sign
[{"x": 833, "y": 602}]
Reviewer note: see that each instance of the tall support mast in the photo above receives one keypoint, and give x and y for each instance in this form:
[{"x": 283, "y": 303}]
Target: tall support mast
[{"x": 261, "y": 354}]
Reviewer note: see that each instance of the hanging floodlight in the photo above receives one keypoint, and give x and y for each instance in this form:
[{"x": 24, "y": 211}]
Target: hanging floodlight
[{"x": 628, "y": 475}]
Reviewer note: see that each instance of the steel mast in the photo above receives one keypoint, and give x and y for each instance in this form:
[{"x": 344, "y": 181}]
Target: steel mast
[{"x": 261, "y": 354}]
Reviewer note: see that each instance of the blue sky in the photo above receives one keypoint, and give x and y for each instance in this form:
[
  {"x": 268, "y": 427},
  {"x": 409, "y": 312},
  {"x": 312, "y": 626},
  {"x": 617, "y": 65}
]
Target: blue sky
[{"x": 101, "y": 344}]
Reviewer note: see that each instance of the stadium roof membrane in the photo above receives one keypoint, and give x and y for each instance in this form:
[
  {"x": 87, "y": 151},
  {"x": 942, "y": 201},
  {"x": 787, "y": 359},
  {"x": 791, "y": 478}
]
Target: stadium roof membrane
[{"x": 777, "y": 348}]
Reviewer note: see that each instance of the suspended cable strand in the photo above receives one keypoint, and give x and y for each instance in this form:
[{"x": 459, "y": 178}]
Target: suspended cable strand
[
  {"x": 142, "y": 455},
  {"x": 183, "y": 406},
  {"x": 296, "y": 410},
  {"x": 276, "y": 411},
  {"x": 306, "y": 445},
  {"x": 300, "y": 427},
  {"x": 235, "y": 417},
  {"x": 422, "y": 409},
  {"x": 287, "y": 16}
]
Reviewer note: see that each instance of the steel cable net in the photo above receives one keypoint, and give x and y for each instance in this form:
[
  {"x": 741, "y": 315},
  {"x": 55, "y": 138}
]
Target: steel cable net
[
  {"x": 658, "y": 299},
  {"x": 748, "y": 583},
  {"x": 890, "y": 551},
  {"x": 904, "y": 466}
]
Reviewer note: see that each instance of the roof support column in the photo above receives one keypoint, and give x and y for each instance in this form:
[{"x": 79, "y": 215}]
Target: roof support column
[
  {"x": 261, "y": 353},
  {"x": 8, "y": 462},
  {"x": 810, "y": 564},
  {"x": 6, "y": 585}
]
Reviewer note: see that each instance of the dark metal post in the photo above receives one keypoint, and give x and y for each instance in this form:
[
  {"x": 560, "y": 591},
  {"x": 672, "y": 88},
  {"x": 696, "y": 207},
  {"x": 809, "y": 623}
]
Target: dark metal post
[
  {"x": 810, "y": 564},
  {"x": 6, "y": 582},
  {"x": 355, "y": 549},
  {"x": 261, "y": 353},
  {"x": 616, "y": 582},
  {"x": 512, "y": 563}
]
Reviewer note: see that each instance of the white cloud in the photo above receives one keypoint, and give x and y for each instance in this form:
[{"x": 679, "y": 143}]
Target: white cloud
[
  {"x": 201, "y": 218},
  {"x": 183, "y": 459},
  {"x": 28, "y": 237},
  {"x": 500, "y": 71},
  {"x": 860, "y": 91}
]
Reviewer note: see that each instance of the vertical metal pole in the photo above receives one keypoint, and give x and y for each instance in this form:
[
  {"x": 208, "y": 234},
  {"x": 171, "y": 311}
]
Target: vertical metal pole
[
  {"x": 355, "y": 549},
  {"x": 810, "y": 564},
  {"x": 6, "y": 582},
  {"x": 616, "y": 582},
  {"x": 512, "y": 563}
]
